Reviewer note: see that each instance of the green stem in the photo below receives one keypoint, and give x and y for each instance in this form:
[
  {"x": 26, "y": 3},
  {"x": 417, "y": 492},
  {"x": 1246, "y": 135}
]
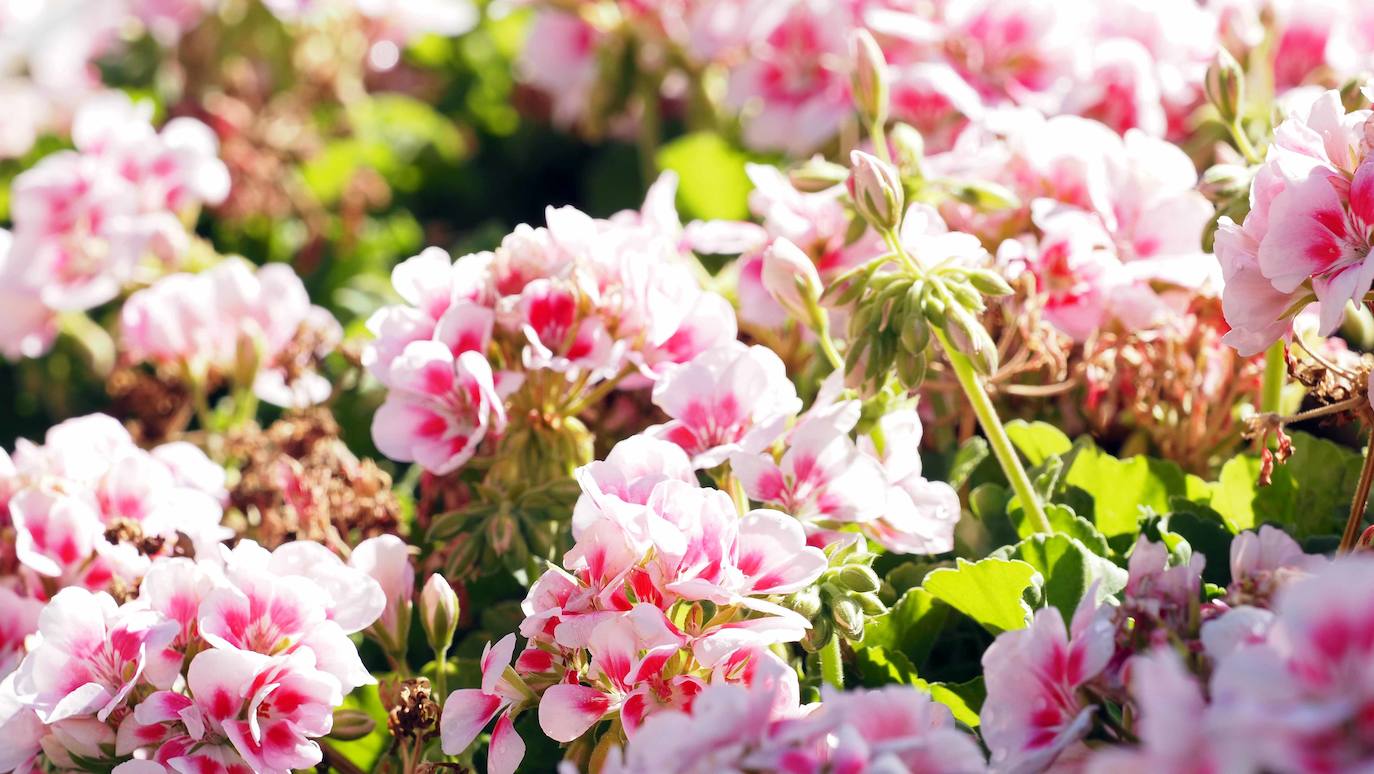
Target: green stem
[
  {"x": 832, "y": 664},
  {"x": 441, "y": 673},
  {"x": 878, "y": 134},
  {"x": 1275, "y": 370},
  {"x": 1243, "y": 142},
  {"x": 997, "y": 435},
  {"x": 820, "y": 323},
  {"x": 600, "y": 391}
]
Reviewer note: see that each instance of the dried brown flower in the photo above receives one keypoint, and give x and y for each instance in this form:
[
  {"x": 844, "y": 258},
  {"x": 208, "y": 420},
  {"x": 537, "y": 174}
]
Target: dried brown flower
[
  {"x": 411, "y": 712},
  {"x": 298, "y": 480}
]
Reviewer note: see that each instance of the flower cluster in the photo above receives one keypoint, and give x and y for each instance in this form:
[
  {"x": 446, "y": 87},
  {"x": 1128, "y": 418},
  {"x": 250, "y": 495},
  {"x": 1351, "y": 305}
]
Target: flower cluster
[
  {"x": 760, "y": 726},
  {"x": 89, "y": 508},
  {"x": 667, "y": 588},
  {"x": 232, "y": 322},
  {"x": 1307, "y": 234},
  {"x": 1050, "y": 686},
  {"x": 91, "y": 221},
  {"x": 553, "y": 313},
  {"x": 232, "y": 661}
]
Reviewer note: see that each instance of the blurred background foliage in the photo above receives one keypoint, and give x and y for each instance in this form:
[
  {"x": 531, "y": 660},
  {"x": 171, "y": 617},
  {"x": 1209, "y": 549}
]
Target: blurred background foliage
[{"x": 344, "y": 171}]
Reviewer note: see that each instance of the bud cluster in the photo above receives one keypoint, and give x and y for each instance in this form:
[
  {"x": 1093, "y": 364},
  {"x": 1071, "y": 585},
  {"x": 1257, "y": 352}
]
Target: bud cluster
[{"x": 842, "y": 599}]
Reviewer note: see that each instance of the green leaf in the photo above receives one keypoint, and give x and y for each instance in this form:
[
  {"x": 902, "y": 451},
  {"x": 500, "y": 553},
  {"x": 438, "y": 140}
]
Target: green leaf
[
  {"x": 1069, "y": 569},
  {"x": 879, "y": 667},
  {"x": 970, "y": 455},
  {"x": 965, "y": 700},
  {"x": 365, "y": 752},
  {"x": 989, "y": 591},
  {"x": 1064, "y": 522},
  {"x": 1206, "y": 534},
  {"x": 1038, "y": 441},
  {"x": 1309, "y": 496},
  {"x": 910, "y": 627},
  {"x": 1235, "y": 492},
  {"x": 712, "y": 181},
  {"x": 1121, "y": 488}
]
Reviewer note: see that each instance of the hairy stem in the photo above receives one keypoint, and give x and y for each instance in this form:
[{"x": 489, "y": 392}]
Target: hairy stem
[
  {"x": 832, "y": 664},
  {"x": 997, "y": 435}
]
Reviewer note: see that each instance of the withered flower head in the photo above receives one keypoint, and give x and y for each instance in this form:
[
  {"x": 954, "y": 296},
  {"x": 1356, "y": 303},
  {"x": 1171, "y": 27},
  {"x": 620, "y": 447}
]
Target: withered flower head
[{"x": 411, "y": 712}]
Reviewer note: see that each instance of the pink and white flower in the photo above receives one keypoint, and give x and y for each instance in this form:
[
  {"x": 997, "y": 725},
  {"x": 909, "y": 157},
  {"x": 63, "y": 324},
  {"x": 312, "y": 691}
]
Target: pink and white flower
[
  {"x": 440, "y": 408},
  {"x": 729, "y": 399},
  {"x": 467, "y": 711},
  {"x": 1035, "y": 708}
]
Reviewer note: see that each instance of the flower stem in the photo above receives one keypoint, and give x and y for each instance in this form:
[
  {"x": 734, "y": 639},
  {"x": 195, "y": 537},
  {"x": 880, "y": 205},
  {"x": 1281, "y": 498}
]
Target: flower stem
[
  {"x": 1243, "y": 142},
  {"x": 997, "y": 436},
  {"x": 1357, "y": 505},
  {"x": 1275, "y": 370},
  {"x": 832, "y": 665}
]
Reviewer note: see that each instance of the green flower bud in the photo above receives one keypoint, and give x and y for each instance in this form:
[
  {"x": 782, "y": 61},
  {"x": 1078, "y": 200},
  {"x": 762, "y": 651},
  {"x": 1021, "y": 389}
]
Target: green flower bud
[
  {"x": 858, "y": 577},
  {"x": 1225, "y": 86},
  {"x": 870, "y": 78},
  {"x": 876, "y": 190}
]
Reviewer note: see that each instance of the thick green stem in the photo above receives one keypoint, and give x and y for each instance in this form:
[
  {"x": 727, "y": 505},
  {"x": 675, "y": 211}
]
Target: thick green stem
[
  {"x": 1275, "y": 370},
  {"x": 441, "y": 674},
  {"x": 997, "y": 436},
  {"x": 832, "y": 663}
]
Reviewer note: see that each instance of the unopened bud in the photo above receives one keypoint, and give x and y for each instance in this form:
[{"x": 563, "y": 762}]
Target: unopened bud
[
  {"x": 972, "y": 340},
  {"x": 870, "y": 77},
  {"x": 989, "y": 282},
  {"x": 876, "y": 190},
  {"x": 818, "y": 635},
  {"x": 986, "y": 195},
  {"x": 848, "y": 616},
  {"x": 816, "y": 175},
  {"x": 1355, "y": 93},
  {"x": 857, "y": 577},
  {"x": 911, "y": 370},
  {"x": 908, "y": 148},
  {"x": 1225, "y": 86},
  {"x": 500, "y": 532},
  {"x": 806, "y": 603},
  {"x": 1224, "y": 182},
  {"x": 791, "y": 278},
  {"x": 351, "y": 724},
  {"x": 871, "y": 603},
  {"x": 438, "y": 613}
]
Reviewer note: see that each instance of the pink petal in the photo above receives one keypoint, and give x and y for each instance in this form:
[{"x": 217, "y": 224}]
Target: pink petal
[
  {"x": 567, "y": 711},
  {"x": 507, "y": 749},
  {"x": 466, "y": 713}
]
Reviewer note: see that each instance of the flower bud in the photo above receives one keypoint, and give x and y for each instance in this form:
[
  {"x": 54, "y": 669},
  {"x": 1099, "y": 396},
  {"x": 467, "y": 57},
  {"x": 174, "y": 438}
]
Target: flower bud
[
  {"x": 908, "y": 148},
  {"x": 791, "y": 278},
  {"x": 438, "y": 613},
  {"x": 818, "y": 635},
  {"x": 351, "y": 724},
  {"x": 869, "y": 78},
  {"x": 816, "y": 174},
  {"x": 500, "y": 532},
  {"x": 806, "y": 603},
  {"x": 876, "y": 190},
  {"x": 989, "y": 282},
  {"x": 1223, "y": 182},
  {"x": 848, "y": 616},
  {"x": 857, "y": 577},
  {"x": 972, "y": 340},
  {"x": 1225, "y": 86}
]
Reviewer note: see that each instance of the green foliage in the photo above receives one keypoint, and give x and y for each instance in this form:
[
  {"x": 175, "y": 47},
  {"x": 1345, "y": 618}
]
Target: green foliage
[
  {"x": 712, "y": 181},
  {"x": 1310, "y": 494},
  {"x": 1069, "y": 568},
  {"x": 991, "y": 591}
]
